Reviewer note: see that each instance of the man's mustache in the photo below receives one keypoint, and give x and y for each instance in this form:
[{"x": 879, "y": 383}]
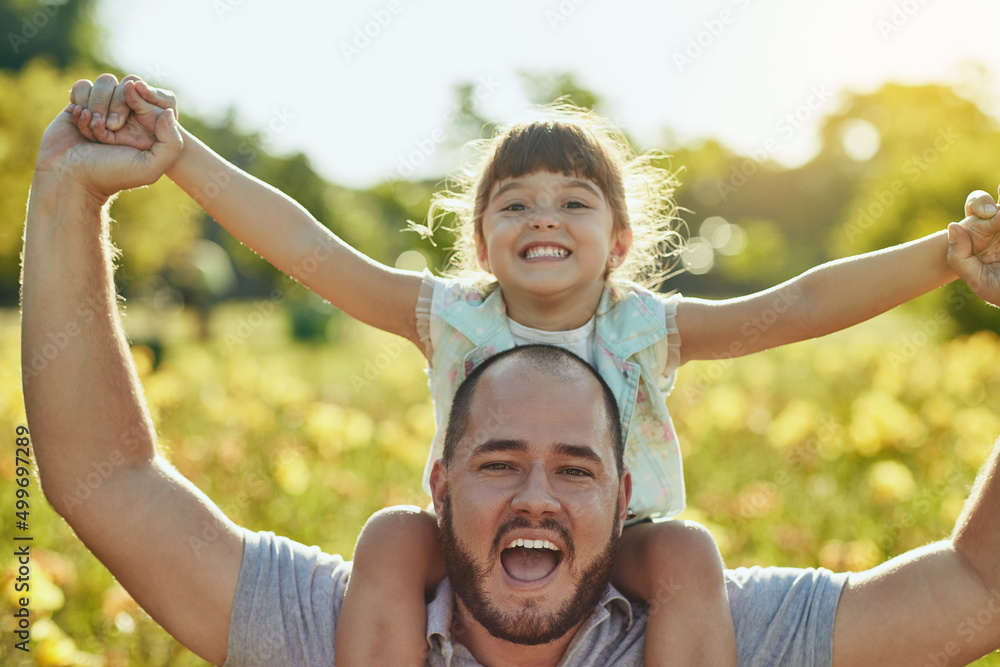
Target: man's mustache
[{"x": 519, "y": 522}]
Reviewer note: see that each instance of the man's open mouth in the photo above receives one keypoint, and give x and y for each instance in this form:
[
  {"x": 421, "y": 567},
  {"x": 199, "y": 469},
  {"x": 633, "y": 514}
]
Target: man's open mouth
[{"x": 530, "y": 560}]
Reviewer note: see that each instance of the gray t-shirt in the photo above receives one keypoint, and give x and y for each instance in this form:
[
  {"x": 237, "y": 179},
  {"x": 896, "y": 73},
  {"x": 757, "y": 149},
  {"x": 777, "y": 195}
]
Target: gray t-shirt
[{"x": 289, "y": 595}]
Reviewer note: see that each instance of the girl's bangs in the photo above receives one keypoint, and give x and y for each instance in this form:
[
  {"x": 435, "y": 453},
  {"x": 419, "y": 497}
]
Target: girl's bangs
[{"x": 555, "y": 147}]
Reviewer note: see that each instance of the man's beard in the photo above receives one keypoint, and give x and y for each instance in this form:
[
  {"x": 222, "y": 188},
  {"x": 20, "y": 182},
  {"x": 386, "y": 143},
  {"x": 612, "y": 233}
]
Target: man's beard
[{"x": 527, "y": 625}]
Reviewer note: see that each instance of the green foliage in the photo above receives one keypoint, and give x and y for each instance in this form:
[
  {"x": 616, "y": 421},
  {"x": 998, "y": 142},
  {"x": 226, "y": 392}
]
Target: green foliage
[
  {"x": 543, "y": 88},
  {"x": 62, "y": 31},
  {"x": 934, "y": 147},
  {"x": 28, "y": 101}
]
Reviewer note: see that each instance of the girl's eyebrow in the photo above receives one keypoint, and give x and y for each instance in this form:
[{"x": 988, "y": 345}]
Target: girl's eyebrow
[
  {"x": 587, "y": 185},
  {"x": 573, "y": 183}
]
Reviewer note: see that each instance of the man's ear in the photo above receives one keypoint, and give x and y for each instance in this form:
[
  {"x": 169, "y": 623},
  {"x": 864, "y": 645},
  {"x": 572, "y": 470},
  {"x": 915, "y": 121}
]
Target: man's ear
[
  {"x": 624, "y": 496},
  {"x": 439, "y": 485}
]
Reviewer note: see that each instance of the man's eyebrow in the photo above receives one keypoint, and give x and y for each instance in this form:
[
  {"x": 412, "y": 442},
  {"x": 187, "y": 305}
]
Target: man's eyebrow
[
  {"x": 499, "y": 445},
  {"x": 580, "y": 452}
]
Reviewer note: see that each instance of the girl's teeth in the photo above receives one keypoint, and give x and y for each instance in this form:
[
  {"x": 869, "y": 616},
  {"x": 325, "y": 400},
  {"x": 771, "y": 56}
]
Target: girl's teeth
[{"x": 545, "y": 251}]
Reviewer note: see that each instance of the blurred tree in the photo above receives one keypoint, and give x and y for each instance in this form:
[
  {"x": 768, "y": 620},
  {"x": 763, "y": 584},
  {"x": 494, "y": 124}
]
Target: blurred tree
[
  {"x": 62, "y": 30},
  {"x": 543, "y": 88},
  {"x": 914, "y": 152},
  {"x": 28, "y": 100}
]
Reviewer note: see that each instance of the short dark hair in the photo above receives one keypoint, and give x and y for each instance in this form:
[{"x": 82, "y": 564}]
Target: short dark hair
[{"x": 552, "y": 359}]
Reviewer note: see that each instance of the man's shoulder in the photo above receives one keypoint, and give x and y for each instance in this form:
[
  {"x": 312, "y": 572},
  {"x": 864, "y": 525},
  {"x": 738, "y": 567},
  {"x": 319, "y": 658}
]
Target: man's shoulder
[{"x": 287, "y": 602}]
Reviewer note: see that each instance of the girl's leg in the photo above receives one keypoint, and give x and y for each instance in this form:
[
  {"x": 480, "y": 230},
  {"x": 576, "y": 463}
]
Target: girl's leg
[
  {"x": 397, "y": 564},
  {"x": 676, "y": 567}
]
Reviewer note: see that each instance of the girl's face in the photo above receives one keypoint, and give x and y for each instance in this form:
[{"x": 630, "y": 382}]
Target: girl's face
[{"x": 548, "y": 235}]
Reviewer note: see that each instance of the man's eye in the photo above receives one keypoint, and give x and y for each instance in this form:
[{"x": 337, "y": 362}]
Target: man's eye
[
  {"x": 576, "y": 472},
  {"x": 496, "y": 466}
]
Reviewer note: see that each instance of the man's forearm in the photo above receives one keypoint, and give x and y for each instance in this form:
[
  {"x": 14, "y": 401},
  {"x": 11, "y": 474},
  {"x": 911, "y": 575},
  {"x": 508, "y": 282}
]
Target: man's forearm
[
  {"x": 977, "y": 531},
  {"x": 81, "y": 392}
]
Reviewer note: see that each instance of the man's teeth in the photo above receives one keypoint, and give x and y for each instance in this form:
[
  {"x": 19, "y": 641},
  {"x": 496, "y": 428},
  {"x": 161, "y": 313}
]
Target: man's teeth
[
  {"x": 532, "y": 544},
  {"x": 545, "y": 251}
]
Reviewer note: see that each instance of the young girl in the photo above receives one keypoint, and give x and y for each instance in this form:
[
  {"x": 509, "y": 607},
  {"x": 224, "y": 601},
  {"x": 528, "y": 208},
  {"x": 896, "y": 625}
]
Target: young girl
[{"x": 553, "y": 224}]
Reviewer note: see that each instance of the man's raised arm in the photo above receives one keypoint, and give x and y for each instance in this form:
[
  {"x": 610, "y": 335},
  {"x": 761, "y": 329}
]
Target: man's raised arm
[
  {"x": 171, "y": 548},
  {"x": 937, "y": 604}
]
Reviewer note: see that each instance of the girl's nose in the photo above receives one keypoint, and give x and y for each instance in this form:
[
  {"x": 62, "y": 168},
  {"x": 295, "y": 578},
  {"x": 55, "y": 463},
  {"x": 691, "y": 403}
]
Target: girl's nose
[{"x": 544, "y": 220}]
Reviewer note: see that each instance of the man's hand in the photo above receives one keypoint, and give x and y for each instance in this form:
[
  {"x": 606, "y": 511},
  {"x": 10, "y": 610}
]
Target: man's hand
[
  {"x": 974, "y": 247},
  {"x": 119, "y": 113},
  {"x": 103, "y": 171}
]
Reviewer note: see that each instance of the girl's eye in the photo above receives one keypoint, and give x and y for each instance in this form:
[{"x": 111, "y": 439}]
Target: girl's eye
[
  {"x": 514, "y": 207},
  {"x": 576, "y": 204}
]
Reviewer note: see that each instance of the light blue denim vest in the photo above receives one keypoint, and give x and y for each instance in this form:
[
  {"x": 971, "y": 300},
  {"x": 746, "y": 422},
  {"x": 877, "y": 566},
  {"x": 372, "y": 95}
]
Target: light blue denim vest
[{"x": 626, "y": 331}]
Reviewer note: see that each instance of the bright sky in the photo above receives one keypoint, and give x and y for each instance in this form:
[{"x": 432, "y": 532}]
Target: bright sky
[{"x": 365, "y": 87}]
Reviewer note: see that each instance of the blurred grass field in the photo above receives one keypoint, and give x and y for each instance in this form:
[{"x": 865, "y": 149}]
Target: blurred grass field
[{"x": 840, "y": 452}]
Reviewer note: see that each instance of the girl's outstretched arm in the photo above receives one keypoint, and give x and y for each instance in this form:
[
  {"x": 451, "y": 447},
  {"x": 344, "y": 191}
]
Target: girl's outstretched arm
[
  {"x": 265, "y": 219},
  {"x": 830, "y": 297},
  {"x": 289, "y": 237}
]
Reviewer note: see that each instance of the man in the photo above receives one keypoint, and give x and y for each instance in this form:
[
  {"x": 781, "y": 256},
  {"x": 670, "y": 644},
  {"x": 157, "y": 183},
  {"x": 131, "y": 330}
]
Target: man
[{"x": 545, "y": 471}]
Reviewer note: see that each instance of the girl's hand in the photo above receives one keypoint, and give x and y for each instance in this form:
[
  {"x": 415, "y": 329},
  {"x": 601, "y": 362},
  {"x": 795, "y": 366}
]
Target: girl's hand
[
  {"x": 982, "y": 223},
  {"x": 119, "y": 113}
]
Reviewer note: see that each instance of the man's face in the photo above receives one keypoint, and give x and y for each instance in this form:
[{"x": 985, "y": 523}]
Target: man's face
[{"x": 531, "y": 505}]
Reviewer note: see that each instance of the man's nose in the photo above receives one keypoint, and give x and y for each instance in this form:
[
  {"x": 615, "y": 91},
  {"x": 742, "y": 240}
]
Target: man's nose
[{"x": 535, "y": 496}]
